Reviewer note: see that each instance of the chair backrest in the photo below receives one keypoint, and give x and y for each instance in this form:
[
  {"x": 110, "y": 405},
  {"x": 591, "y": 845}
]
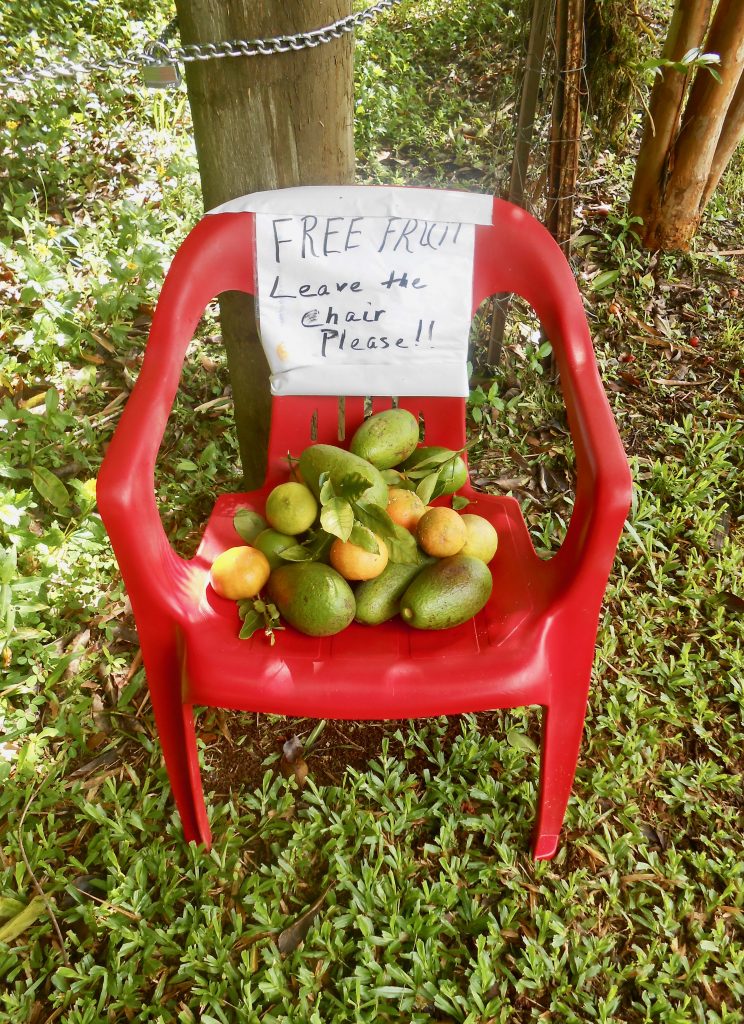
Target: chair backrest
[{"x": 513, "y": 252}]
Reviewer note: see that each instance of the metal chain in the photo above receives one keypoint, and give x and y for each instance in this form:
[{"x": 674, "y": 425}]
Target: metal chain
[{"x": 158, "y": 51}]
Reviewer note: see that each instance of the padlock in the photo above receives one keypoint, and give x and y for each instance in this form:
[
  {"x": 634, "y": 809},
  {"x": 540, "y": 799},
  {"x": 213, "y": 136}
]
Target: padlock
[
  {"x": 161, "y": 76},
  {"x": 160, "y": 70}
]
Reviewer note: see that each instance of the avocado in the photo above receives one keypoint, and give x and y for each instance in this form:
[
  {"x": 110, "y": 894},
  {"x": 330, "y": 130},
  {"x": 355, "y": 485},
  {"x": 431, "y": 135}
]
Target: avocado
[
  {"x": 454, "y": 472},
  {"x": 327, "y": 458},
  {"x": 312, "y": 597},
  {"x": 386, "y": 438},
  {"x": 378, "y": 600},
  {"x": 447, "y": 593}
]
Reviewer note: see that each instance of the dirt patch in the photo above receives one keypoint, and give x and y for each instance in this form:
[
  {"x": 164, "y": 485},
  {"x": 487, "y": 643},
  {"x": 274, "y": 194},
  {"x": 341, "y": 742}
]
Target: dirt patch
[{"x": 239, "y": 745}]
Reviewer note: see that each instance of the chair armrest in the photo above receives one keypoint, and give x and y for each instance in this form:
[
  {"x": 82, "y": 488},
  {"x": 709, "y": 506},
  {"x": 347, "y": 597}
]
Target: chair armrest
[
  {"x": 216, "y": 256},
  {"x": 517, "y": 254}
]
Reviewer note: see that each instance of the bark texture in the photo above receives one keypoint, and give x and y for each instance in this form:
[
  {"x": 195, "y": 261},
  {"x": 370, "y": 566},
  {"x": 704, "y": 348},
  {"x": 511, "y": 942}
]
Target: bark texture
[
  {"x": 694, "y": 161},
  {"x": 686, "y": 30},
  {"x": 533, "y": 71},
  {"x": 731, "y": 135},
  {"x": 264, "y": 123},
  {"x": 566, "y": 121}
]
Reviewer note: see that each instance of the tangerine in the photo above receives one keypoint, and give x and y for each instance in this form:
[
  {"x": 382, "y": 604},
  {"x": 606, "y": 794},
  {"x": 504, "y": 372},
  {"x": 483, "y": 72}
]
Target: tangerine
[
  {"x": 239, "y": 573},
  {"x": 355, "y": 563},
  {"x": 441, "y": 532},
  {"x": 404, "y": 507}
]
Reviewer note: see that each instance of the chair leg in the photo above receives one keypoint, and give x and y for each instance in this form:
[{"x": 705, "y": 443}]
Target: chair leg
[
  {"x": 175, "y": 726},
  {"x": 563, "y": 724}
]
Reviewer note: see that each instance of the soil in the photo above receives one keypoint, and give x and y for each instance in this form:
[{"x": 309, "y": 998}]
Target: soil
[{"x": 238, "y": 746}]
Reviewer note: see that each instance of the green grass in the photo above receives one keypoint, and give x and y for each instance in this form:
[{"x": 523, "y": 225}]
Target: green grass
[{"x": 428, "y": 907}]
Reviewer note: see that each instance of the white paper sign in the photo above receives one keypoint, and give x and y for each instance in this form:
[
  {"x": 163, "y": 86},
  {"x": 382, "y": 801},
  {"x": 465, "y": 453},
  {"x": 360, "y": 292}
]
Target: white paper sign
[{"x": 365, "y": 291}]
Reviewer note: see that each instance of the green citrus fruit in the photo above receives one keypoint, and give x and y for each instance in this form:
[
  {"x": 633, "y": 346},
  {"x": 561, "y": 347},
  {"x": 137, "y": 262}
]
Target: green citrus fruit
[
  {"x": 272, "y": 544},
  {"x": 482, "y": 537},
  {"x": 291, "y": 508}
]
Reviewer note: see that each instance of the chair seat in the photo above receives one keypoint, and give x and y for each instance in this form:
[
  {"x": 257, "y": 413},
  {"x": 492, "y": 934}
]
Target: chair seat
[{"x": 374, "y": 672}]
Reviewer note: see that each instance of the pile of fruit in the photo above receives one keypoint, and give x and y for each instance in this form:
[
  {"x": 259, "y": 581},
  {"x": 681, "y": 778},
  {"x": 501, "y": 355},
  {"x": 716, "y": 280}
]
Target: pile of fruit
[{"x": 352, "y": 537}]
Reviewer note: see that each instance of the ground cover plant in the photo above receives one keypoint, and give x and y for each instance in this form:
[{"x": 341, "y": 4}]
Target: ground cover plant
[{"x": 366, "y": 871}]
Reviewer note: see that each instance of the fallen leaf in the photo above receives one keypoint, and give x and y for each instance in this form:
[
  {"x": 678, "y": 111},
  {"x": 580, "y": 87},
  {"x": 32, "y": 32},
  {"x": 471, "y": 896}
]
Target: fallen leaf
[
  {"x": 295, "y": 934},
  {"x": 292, "y": 763},
  {"x": 77, "y": 648},
  {"x": 101, "y": 717},
  {"x": 521, "y": 741},
  {"x": 33, "y": 402},
  {"x": 18, "y": 924},
  {"x": 730, "y": 600},
  {"x": 721, "y": 531},
  {"x": 630, "y": 378},
  {"x": 103, "y": 342},
  {"x": 104, "y": 760}
]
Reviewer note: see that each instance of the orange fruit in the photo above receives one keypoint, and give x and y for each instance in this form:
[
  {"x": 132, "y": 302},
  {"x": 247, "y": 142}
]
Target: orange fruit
[
  {"x": 354, "y": 563},
  {"x": 404, "y": 507},
  {"x": 239, "y": 573},
  {"x": 441, "y": 532}
]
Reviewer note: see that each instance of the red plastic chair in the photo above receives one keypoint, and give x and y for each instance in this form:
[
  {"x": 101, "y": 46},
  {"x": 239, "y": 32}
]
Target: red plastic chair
[{"x": 532, "y": 644}]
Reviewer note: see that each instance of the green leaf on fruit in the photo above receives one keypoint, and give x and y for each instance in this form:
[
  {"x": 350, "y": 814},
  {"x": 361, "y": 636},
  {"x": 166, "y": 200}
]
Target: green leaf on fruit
[
  {"x": 427, "y": 486},
  {"x": 352, "y": 486},
  {"x": 363, "y": 537},
  {"x": 402, "y": 547},
  {"x": 248, "y": 524},
  {"x": 327, "y": 492},
  {"x": 337, "y": 518},
  {"x": 311, "y": 550},
  {"x": 395, "y": 478},
  {"x": 400, "y": 543},
  {"x": 460, "y": 501},
  {"x": 296, "y": 553},
  {"x": 431, "y": 461}
]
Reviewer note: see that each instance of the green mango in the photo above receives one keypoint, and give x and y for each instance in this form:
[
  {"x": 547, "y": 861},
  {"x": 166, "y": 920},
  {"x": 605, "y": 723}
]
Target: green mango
[
  {"x": 386, "y": 438},
  {"x": 327, "y": 458},
  {"x": 447, "y": 593}
]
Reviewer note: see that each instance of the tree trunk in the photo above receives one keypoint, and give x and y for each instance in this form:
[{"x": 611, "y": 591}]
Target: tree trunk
[
  {"x": 533, "y": 69},
  {"x": 674, "y": 214},
  {"x": 566, "y": 123},
  {"x": 687, "y": 29},
  {"x": 730, "y": 137},
  {"x": 263, "y": 123}
]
